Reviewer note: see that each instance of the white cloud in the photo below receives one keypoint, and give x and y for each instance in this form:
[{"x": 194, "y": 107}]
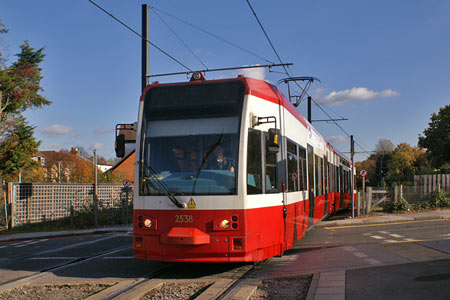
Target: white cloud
[
  {"x": 97, "y": 146},
  {"x": 335, "y": 140},
  {"x": 355, "y": 94},
  {"x": 103, "y": 131},
  {"x": 50, "y": 147},
  {"x": 57, "y": 129}
]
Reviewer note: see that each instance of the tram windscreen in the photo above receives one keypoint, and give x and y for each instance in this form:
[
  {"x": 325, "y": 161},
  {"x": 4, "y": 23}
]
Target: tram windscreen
[{"x": 192, "y": 150}]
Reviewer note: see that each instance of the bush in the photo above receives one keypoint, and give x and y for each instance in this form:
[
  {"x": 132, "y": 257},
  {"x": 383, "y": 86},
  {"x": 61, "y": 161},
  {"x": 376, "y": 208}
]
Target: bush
[
  {"x": 439, "y": 200},
  {"x": 401, "y": 205}
]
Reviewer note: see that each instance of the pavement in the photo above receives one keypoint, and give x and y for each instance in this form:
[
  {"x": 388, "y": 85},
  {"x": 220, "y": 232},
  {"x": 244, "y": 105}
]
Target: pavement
[{"x": 419, "y": 270}]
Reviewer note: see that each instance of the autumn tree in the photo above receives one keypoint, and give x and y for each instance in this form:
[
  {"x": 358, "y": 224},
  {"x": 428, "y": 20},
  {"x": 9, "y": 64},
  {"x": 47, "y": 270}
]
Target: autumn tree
[
  {"x": 403, "y": 163},
  {"x": 436, "y": 138},
  {"x": 67, "y": 167}
]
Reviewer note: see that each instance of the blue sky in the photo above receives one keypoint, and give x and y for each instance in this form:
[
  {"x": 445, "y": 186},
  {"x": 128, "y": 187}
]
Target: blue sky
[{"x": 384, "y": 65}]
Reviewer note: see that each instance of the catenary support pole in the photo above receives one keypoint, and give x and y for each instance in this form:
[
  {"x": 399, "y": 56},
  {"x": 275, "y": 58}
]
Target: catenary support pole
[
  {"x": 309, "y": 109},
  {"x": 352, "y": 180},
  {"x": 95, "y": 190},
  {"x": 145, "y": 9}
]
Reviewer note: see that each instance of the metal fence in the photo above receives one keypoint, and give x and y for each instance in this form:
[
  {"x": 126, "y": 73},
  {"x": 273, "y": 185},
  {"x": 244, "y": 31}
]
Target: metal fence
[
  {"x": 38, "y": 202},
  {"x": 417, "y": 194}
]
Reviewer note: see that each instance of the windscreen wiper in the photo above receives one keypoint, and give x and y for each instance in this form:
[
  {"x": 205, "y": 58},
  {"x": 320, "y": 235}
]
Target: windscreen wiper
[{"x": 163, "y": 186}]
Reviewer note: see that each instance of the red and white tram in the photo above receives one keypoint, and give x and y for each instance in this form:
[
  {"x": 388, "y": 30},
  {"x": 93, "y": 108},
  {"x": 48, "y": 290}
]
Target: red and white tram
[{"x": 229, "y": 171}]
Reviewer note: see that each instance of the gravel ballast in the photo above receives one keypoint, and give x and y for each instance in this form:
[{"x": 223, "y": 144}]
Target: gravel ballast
[
  {"x": 286, "y": 288},
  {"x": 176, "y": 291},
  {"x": 53, "y": 292}
]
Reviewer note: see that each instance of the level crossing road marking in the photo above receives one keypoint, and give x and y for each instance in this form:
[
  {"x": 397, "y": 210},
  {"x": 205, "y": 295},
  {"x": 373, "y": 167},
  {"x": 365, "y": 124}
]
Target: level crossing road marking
[
  {"x": 373, "y": 261},
  {"x": 377, "y": 237},
  {"x": 360, "y": 254},
  {"x": 385, "y": 224},
  {"x": 396, "y": 235},
  {"x": 349, "y": 248}
]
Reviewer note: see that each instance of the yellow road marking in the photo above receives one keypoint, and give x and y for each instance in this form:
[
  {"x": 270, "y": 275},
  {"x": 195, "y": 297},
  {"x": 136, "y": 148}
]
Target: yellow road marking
[{"x": 383, "y": 224}]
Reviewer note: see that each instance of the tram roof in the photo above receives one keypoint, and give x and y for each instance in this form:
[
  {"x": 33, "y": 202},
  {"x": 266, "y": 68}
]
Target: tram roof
[{"x": 261, "y": 89}]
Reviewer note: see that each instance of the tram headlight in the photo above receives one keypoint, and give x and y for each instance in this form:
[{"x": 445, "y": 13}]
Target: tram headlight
[
  {"x": 225, "y": 224},
  {"x": 148, "y": 223}
]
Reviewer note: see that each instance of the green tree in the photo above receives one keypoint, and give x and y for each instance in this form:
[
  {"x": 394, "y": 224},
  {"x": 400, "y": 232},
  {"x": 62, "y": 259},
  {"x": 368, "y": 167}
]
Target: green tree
[
  {"x": 20, "y": 83},
  {"x": 19, "y": 90},
  {"x": 436, "y": 138},
  {"x": 17, "y": 147}
]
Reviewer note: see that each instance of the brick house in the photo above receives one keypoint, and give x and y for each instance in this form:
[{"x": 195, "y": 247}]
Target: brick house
[{"x": 125, "y": 166}]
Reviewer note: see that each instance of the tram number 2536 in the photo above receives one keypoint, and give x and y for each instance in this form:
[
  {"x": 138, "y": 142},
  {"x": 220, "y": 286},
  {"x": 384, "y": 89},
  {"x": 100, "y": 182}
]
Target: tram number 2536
[{"x": 184, "y": 219}]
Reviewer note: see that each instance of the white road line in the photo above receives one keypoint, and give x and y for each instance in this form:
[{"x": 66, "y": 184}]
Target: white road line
[
  {"x": 445, "y": 235},
  {"x": 360, "y": 254},
  {"x": 54, "y": 257},
  {"x": 31, "y": 242},
  {"x": 78, "y": 245},
  {"x": 1, "y": 247},
  {"x": 377, "y": 237},
  {"x": 396, "y": 235},
  {"x": 408, "y": 239},
  {"x": 373, "y": 261},
  {"x": 383, "y": 232},
  {"x": 391, "y": 241},
  {"x": 349, "y": 248}
]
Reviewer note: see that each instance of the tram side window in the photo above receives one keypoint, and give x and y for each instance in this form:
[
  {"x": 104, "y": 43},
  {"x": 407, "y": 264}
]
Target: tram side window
[
  {"x": 254, "y": 163},
  {"x": 336, "y": 179},
  {"x": 292, "y": 166},
  {"x": 302, "y": 166},
  {"x": 323, "y": 175},
  {"x": 271, "y": 168},
  {"x": 318, "y": 175}
]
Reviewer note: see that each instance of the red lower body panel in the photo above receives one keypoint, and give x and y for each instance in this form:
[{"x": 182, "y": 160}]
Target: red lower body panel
[{"x": 224, "y": 235}]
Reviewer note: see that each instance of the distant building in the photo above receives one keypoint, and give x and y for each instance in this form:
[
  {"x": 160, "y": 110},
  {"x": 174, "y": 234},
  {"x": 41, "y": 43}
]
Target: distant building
[
  {"x": 39, "y": 157},
  {"x": 68, "y": 166}
]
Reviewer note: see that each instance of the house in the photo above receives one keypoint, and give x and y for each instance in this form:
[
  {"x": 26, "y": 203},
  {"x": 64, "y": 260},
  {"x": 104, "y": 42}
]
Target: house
[
  {"x": 125, "y": 167},
  {"x": 65, "y": 166}
]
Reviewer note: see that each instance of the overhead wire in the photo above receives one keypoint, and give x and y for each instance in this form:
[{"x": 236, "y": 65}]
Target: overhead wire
[
  {"x": 288, "y": 74},
  {"x": 180, "y": 39},
  {"x": 139, "y": 35},
  {"x": 212, "y": 35}
]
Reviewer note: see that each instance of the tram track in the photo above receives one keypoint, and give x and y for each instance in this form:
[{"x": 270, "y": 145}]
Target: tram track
[
  {"x": 218, "y": 286},
  {"x": 240, "y": 281}
]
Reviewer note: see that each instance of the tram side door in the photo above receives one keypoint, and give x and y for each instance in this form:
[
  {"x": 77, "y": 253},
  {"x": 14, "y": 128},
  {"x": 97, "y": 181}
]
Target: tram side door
[
  {"x": 311, "y": 185},
  {"x": 341, "y": 182},
  {"x": 326, "y": 179}
]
